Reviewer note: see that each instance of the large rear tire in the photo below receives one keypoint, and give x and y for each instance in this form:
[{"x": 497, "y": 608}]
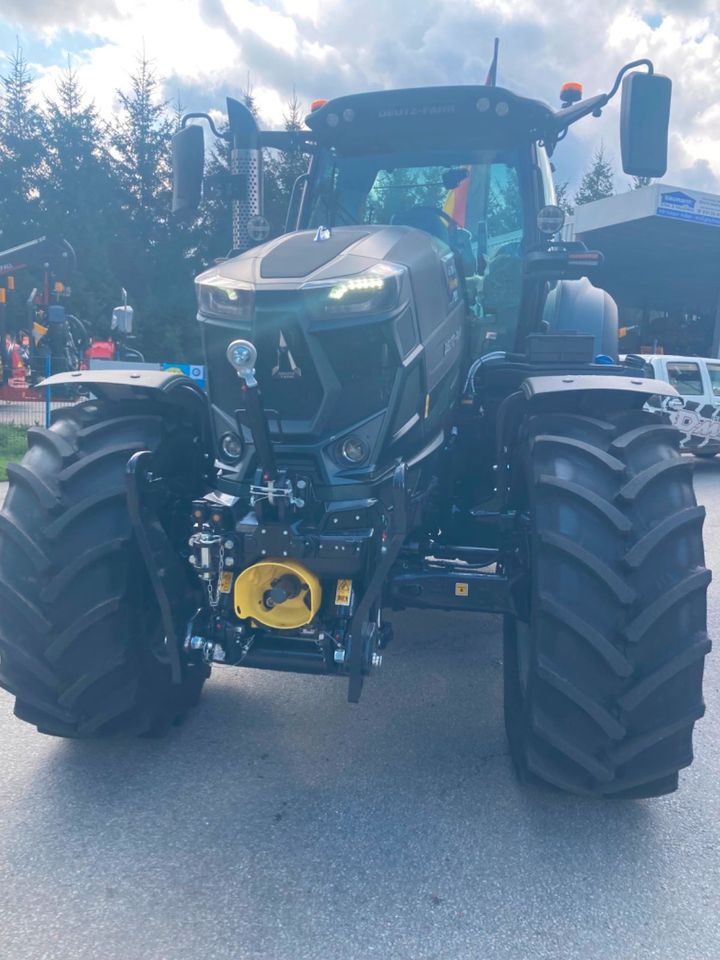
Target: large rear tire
[
  {"x": 81, "y": 639},
  {"x": 604, "y": 683}
]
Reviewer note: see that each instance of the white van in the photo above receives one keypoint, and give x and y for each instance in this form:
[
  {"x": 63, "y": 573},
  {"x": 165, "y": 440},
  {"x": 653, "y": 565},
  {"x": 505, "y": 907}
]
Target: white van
[{"x": 697, "y": 380}]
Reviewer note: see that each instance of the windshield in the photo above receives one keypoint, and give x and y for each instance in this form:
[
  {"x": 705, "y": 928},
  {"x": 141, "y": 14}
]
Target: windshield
[{"x": 472, "y": 201}]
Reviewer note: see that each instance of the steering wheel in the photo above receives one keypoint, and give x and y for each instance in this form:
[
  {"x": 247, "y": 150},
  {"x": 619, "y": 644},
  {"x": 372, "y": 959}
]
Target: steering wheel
[{"x": 420, "y": 217}]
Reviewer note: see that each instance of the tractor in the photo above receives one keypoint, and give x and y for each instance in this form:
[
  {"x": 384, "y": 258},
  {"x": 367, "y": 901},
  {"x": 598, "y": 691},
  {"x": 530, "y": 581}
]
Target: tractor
[{"x": 414, "y": 399}]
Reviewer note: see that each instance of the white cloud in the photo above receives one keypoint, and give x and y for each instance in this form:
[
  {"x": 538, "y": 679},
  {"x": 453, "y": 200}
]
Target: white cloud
[{"x": 206, "y": 48}]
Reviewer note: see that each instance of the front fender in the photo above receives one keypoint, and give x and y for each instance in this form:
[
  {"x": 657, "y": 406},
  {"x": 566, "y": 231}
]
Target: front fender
[
  {"x": 127, "y": 384},
  {"x": 174, "y": 389}
]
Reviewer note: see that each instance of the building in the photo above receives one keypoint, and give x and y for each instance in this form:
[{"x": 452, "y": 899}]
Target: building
[{"x": 661, "y": 246}]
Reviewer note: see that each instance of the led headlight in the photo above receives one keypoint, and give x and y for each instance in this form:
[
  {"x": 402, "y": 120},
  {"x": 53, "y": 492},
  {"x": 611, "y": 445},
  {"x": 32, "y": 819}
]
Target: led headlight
[
  {"x": 376, "y": 290},
  {"x": 219, "y": 296}
]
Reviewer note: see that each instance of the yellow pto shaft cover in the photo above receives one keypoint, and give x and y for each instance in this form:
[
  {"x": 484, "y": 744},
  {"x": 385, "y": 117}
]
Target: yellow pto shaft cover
[{"x": 255, "y": 584}]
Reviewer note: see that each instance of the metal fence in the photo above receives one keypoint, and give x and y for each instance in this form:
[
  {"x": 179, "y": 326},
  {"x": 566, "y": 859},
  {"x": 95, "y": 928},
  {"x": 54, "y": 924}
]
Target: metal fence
[{"x": 24, "y": 404}]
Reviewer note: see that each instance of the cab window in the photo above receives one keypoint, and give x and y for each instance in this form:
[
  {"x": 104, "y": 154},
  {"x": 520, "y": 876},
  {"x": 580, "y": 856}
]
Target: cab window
[
  {"x": 714, "y": 371},
  {"x": 686, "y": 378}
]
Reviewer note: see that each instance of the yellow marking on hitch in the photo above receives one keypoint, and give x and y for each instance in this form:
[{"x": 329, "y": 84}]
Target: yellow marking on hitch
[
  {"x": 462, "y": 589},
  {"x": 343, "y": 593},
  {"x": 226, "y": 580}
]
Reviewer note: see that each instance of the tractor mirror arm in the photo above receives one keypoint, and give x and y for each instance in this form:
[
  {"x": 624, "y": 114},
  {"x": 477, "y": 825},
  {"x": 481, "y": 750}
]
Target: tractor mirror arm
[
  {"x": 290, "y": 141},
  {"x": 562, "y": 119}
]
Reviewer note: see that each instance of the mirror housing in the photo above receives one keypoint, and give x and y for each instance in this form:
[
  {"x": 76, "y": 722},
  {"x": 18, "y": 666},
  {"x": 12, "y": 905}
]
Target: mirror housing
[
  {"x": 122, "y": 319},
  {"x": 644, "y": 120},
  {"x": 188, "y": 164}
]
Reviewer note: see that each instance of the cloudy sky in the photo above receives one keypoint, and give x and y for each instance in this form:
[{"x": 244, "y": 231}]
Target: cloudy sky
[{"x": 205, "y": 49}]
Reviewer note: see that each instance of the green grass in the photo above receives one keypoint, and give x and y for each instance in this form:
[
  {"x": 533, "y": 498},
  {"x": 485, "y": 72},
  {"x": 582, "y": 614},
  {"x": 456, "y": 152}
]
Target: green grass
[{"x": 13, "y": 444}]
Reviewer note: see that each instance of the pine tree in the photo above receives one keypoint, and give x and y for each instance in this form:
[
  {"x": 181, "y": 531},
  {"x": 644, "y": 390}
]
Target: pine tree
[
  {"x": 21, "y": 153},
  {"x": 598, "y": 180},
  {"x": 638, "y": 182},
  {"x": 282, "y": 168},
  {"x": 152, "y": 251},
  {"x": 142, "y": 142},
  {"x": 562, "y": 199},
  {"x": 79, "y": 197}
]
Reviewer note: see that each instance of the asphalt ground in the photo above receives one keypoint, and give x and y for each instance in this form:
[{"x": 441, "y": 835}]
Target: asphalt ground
[{"x": 280, "y": 823}]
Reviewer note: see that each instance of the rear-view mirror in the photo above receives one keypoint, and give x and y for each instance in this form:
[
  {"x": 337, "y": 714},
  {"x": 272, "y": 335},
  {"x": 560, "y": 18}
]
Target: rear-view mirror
[
  {"x": 644, "y": 119},
  {"x": 188, "y": 162}
]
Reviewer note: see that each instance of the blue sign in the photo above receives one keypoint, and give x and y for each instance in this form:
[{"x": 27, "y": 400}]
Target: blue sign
[
  {"x": 682, "y": 205},
  {"x": 195, "y": 371},
  {"x": 677, "y": 200}
]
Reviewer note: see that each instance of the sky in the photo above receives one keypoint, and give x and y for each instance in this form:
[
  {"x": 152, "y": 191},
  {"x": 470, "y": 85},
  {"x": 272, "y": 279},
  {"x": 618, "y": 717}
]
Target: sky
[{"x": 203, "y": 50}]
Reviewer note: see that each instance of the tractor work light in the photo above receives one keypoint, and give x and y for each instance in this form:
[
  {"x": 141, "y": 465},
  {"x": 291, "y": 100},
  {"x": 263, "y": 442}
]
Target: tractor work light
[
  {"x": 354, "y": 450},
  {"x": 231, "y": 447},
  {"x": 550, "y": 219},
  {"x": 219, "y": 296},
  {"x": 377, "y": 290}
]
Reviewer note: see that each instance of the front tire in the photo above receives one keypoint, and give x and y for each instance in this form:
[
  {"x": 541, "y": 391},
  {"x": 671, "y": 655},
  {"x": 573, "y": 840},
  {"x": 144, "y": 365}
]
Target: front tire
[
  {"x": 603, "y": 683},
  {"x": 81, "y": 639}
]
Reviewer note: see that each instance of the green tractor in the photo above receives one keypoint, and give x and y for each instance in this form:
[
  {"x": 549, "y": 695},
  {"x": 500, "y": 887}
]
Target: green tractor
[{"x": 414, "y": 400}]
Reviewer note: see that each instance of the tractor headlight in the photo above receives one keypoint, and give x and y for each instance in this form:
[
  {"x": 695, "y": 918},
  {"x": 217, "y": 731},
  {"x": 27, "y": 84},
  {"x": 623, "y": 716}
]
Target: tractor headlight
[
  {"x": 376, "y": 290},
  {"x": 219, "y": 296}
]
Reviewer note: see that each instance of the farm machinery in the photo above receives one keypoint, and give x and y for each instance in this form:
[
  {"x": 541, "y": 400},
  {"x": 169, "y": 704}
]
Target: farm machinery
[
  {"x": 48, "y": 333},
  {"x": 414, "y": 400}
]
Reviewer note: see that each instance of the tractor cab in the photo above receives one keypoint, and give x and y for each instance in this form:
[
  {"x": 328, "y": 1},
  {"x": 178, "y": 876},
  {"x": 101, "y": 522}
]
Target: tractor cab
[{"x": 460, "y": 163}]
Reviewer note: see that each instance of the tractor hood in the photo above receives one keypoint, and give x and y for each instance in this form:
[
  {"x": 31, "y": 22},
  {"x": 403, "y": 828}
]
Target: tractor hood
[
  {"x": 292, "y": 260},
  {"x": 358, "y": 334}
]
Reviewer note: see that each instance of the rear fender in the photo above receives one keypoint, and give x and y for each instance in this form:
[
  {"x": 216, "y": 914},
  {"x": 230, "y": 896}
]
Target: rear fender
[
  {"x": 636, "y": 389},
  {"x": 565, "y": 392}
]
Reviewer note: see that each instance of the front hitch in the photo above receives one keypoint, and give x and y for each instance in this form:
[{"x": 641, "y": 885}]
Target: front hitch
[
  {"x": 165, "y": 568},
  {"x": 364, "y": 631}
]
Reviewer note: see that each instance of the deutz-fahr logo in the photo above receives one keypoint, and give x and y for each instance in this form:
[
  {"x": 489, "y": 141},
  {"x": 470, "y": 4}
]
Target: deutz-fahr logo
[{"x": 422, "y": 111}]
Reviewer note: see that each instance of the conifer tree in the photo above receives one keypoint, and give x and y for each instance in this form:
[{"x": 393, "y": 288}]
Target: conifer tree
[
  {"x": 152, "y": 250},
  {"x": 282, "y": 169},
  {"x": 21, "y": 153},
  {"x": 598, "y": 180},
  {"x": 79, "y": 197},
  {"x": 562, "y": 198}
]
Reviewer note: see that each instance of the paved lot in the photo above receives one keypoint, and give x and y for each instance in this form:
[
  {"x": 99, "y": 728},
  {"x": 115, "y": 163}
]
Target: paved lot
[{"x": 282, "y": 824}]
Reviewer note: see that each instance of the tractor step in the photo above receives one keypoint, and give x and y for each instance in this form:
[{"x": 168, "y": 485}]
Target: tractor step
[{"x": 458, "y": 588}]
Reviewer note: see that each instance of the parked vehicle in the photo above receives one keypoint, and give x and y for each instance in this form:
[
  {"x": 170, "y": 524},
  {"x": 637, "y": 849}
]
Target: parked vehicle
[{"x": 697, "y": 380}]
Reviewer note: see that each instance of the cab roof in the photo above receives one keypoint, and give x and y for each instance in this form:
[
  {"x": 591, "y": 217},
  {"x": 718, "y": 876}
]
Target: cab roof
[{"x": 452, "y": 116}]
